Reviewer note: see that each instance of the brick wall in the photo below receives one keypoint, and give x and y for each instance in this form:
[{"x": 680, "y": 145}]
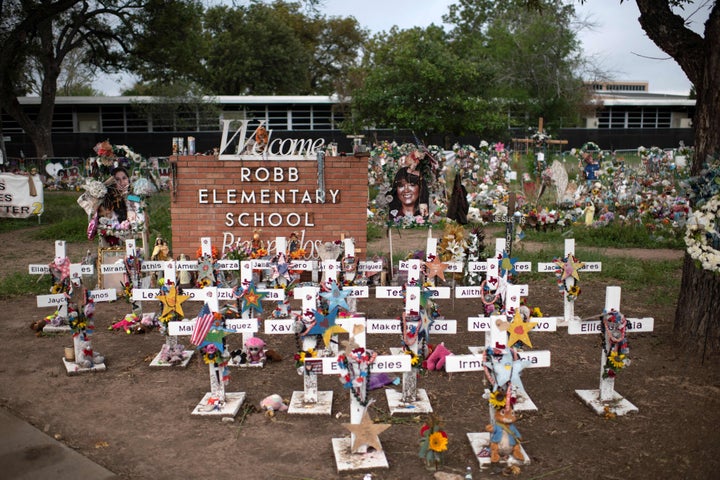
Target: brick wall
[{"x": 205, "y": 188}]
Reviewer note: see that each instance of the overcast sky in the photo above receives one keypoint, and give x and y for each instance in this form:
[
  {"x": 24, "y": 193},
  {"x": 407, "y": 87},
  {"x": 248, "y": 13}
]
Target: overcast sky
[{"x": 618, "y": 45}]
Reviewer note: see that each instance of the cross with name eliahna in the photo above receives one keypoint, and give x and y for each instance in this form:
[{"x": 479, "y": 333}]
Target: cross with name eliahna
[
  {"x": 64, "y": 274},
  {"x": 614, "y": 327},
  {"x": 354, "y": 366},
  {"x": 567, "y": 270}
]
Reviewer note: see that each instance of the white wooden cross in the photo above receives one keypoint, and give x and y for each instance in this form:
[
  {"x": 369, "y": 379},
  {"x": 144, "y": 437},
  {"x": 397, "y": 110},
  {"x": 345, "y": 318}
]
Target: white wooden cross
[
  {"x": 217, "y": 402},
  {"x": 59, "y": 300},
  {"x": 495, "y": 281},
  {"x": 606, "y": 400},
  {"x": 569, "y": 282},
  {"x": 494, "y": 337},
  {"x": 348, "y": 458}
]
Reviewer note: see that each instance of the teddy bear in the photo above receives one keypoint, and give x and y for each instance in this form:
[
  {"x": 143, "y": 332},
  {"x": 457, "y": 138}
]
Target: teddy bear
[
  {"x": 504, "y": 436},
  {"x": 172, "y": 354},
  {"x": 86, "y": 357}
]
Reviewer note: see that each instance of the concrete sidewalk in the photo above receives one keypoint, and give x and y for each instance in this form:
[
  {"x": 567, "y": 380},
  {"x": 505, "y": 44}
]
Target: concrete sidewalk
[{"x": 26, "y": 453}]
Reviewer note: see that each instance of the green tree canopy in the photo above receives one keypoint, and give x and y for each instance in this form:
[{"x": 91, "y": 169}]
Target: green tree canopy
[{"x": 415, "y": 80}]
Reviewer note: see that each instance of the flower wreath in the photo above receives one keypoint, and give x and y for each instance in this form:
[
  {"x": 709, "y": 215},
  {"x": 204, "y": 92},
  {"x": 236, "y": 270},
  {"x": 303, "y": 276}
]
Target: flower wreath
[
  {"x": 702, "y": 237},
  {"x": 613, "y": 327}
]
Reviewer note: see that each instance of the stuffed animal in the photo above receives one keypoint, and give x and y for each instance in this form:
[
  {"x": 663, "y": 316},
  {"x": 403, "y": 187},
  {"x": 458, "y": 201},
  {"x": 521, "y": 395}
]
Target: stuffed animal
[
  {"x": 255, "y": 350},
  {"x": 172, "y": 355},
  {"x": 86, "y": 357},
  {"x": 436, "y": 360},
  {"x": 504, "y": 436},
  {"x": 273, "y": 403}
]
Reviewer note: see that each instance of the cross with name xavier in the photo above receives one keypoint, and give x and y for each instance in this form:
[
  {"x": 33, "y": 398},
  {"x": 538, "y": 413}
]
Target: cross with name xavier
[
  {"x": 614, "y": 328},
  {"x": 567, "y": 270}
]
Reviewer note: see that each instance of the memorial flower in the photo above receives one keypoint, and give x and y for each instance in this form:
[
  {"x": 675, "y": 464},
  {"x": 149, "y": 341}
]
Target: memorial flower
[{"x": 433, "y": 443}]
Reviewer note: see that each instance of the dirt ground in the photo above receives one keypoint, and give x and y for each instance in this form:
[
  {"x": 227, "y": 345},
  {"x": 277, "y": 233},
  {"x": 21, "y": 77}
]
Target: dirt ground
[{"x": 136, "y": 420}]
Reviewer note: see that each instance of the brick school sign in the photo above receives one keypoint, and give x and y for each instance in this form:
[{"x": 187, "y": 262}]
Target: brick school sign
[{"x": 229, "y": 196}]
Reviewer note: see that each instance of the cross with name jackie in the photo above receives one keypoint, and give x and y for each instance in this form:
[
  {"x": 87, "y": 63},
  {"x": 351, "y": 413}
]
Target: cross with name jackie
[
  {"x": 498, "y": 332},
  {"x": 614, "y": 357},
  {"x": 567, "y": 271},
  {"x": 354, "y": 366},
  {"x": 64, "y": 274}
]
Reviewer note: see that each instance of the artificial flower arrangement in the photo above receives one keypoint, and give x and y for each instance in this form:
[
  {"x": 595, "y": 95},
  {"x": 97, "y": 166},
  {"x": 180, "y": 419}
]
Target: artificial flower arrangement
[
  {"x": 613, "y": 327},
  {"x": 433, "y": 443},
  {"x": 302, "y": 355}
]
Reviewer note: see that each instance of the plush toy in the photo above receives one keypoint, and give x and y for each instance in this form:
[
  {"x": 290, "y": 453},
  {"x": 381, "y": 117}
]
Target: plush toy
[
  {"x": 436, "y": 360},
  {"x": 172, "y": 355},
  {"x": 86, "y": 357},
  {"x": 126, "y": 324},
  {"x": 504, "y": 436},
  {"x": 273, "y": 403},
  {"x": 255, "y": 350}
]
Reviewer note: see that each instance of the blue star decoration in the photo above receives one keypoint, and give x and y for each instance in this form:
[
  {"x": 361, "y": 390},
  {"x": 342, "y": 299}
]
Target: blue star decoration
[
  {"x": 507, "y": 369},
  {"x": 335, "y": 298},
  {"x": 323, "y": 321},
  {"x": 251, "y": 298}
]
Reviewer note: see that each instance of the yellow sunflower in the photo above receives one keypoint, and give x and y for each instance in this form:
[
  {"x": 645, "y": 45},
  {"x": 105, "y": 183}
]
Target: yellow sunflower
[
  {"x": 498, "y": 399},
  {"x": 617, "y": 360},
  {"x": 438, "y": 442}
]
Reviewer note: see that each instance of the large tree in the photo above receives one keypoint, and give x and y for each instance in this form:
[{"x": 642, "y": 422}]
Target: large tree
[
  {"x": 697, "y": 320},
  {"x": 531, "y": 49},
  {"x": 46, "y": 32},
  {"x": 415, "y": 80}
]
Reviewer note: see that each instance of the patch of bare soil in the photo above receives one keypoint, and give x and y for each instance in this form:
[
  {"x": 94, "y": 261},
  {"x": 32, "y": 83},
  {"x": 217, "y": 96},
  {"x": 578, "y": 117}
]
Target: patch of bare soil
[{"x": 136, "y": 420}]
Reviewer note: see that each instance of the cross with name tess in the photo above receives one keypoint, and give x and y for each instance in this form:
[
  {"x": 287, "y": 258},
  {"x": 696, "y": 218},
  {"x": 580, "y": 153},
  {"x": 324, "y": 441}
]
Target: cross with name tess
[
  {"x": 605, "y": 399},
  {"x": 569, "y": 276},
  {"x": 412, "y": 399},
  {"x": 74, "y": 272}
]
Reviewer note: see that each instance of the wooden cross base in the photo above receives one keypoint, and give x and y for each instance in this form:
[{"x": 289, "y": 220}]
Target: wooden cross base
[
  {"x": 73, "y": 368},
  {"x": 347, "y": 461},
  {"x": 617, "y": 405},
  {"x": 233, "y": 401},
  {"x": 299, "y": 406},
  {"x": 480, "y": 444},
  {"x": 187, "y": 356},
  {"x": 396, "y": 405}
]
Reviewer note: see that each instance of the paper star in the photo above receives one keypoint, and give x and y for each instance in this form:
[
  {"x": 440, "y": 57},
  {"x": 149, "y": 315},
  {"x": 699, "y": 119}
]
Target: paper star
[
  {"x": 215, "y": 335},
  {"x": 335, "y": 298},
  {"x": 435, "y": 268},
  {"x": 252, "y": 298},
  {"x": 507, "y": 264},
  {"x": 172, "y": 302},
  {"x": 205, "y": 271},
  {"x": 323, "y": 322},
  {"x": 519, "y": 330},
  {"x": 505, "y": 369},
  {"x": 569, "y": 267},
  {"x": 333, "y": 330},
  {"x": 366, "y": 433}
]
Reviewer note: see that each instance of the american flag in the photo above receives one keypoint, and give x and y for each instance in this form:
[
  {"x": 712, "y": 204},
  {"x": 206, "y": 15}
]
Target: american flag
[{"x": 202, "y": 325}]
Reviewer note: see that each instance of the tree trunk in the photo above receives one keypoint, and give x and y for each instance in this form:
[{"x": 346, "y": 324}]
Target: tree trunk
[{"x": 697, "y": 318}]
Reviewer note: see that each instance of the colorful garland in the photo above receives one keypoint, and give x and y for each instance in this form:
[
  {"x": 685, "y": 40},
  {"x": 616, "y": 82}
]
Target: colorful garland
[
  {"x": 355, "y": 372},
  {"x": 613, "y": 327}
]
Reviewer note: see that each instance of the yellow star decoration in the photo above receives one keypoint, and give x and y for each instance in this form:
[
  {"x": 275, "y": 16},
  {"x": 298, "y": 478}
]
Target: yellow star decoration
[
  {"x": 519, "y": 330},
  {"x": 332, "y": 330},
  {"x": 436, "y": 269},
  {"x": 366, "y": 433},
  {"x": 172, "y": 303},
  {"x": 570, "y": 267}
]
